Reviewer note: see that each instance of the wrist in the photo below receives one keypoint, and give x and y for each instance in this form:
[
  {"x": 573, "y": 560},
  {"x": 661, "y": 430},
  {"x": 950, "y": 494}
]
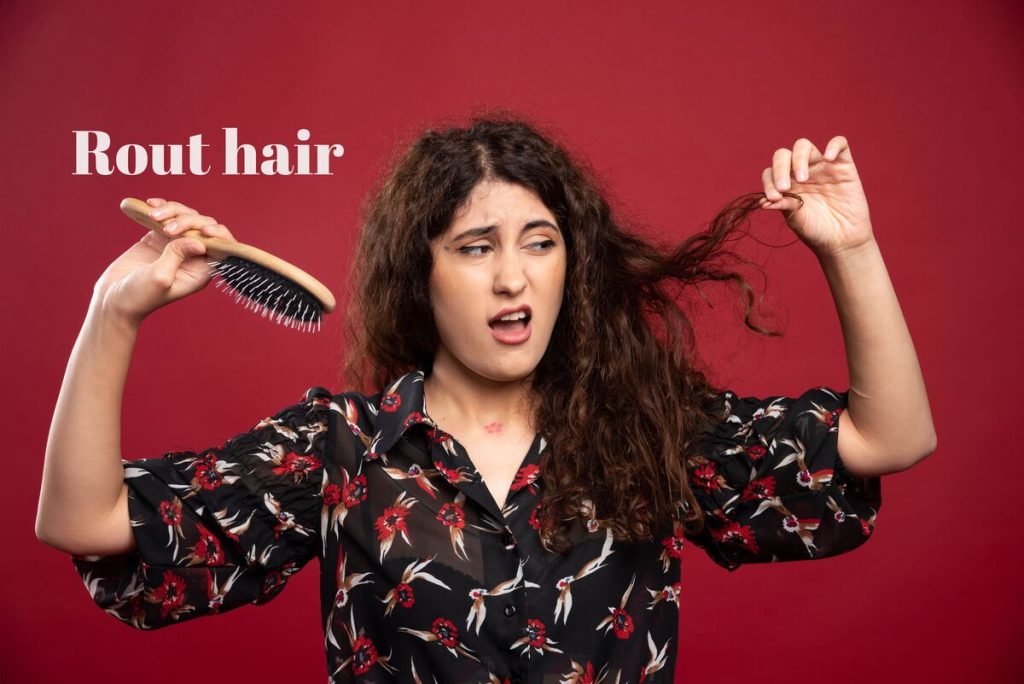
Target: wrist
[
  {"x": 848, "y": 256},
  {"x": 104, "y": 315}
]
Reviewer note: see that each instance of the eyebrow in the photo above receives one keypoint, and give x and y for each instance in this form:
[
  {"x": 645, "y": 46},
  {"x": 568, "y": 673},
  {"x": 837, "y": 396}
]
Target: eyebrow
[{"x": 487, "y": 230}]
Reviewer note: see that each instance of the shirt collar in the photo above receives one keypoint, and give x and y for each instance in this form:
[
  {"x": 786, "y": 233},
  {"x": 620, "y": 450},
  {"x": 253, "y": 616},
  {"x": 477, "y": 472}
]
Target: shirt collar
[{"x": 401, "y": 406}]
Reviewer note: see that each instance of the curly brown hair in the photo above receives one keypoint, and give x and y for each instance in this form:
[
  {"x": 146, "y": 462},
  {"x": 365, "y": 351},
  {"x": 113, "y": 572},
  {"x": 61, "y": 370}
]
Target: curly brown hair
[{"x": 618, "y": 377}]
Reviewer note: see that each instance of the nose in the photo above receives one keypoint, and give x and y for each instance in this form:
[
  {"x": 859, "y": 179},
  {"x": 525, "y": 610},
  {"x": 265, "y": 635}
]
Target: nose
[{"x": 509, "y": 276}]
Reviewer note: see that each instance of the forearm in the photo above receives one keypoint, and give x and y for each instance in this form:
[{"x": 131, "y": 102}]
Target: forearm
[
  {"x": 888, "y": 403},
  {"x": 82, "y": 471}
]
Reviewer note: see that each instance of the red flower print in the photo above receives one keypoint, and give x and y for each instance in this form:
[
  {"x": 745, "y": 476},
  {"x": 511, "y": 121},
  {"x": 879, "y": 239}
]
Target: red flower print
[
  {"x": 405, "y": 595},
  {"x": 170, "y": 511},
  {"x": 535, "y": 515},
  {"x": 298, "y": 465},
  {"x": 170, "y": 595},
  {"x": 412, "y": 419},
  {"x": 364, "y": 655},
  {"x": 208, "y": 548},
  {"x": 445, "y": 631},
  {"x": 536, "y": 632},
  {"x": 331, "y": 494},
  {"x": 355, "y": 491},
  {"x": 207, "y": 476},
  {"x": 436, "y": 435},
  {"x": 622, "y": 623},
  {"x": 756, "y": 452},
  {"x": 272, "y": 582},
  {"x": 704, "y": 476},
  {"x": 452, "y": 516},
  {"x": 392, "y": 520},
  {"x": 390, "y": 402},
  {"x": 525, "y": 477},
  {"x": 449, "y": 474},
  {"x": 674, "y": 544},
  {"x": 737, "y": 535},
  {"x": 761, "y": 488},
  {"x": 832, "y": 418},
  {"x": 209, "y": 460},
  {"x": 588, "y": 674}
]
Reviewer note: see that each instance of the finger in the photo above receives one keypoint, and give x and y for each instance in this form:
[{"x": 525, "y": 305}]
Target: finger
[
  {"x": 170, "y": 210},
  {"x": 835, "y": 146},
  {"x": 175, "y": 253},
  {"x": 152, "y": 241},
  {"x": 218, "y": 230},
  {"x": 769, "y": 186},
  {"x": 156, "y": 201},
  {"x": 801, "y": 159},
  {"x": 781, "y": 163},
  {"x": 188, "y": 221}
]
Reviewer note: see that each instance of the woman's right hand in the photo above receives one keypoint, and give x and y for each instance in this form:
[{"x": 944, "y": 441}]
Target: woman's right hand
[{"x": 159, "y": 269}]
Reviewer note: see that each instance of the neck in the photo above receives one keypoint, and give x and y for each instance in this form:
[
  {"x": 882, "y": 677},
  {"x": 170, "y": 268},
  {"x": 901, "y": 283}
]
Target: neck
[{"x": 467, "y": 402}]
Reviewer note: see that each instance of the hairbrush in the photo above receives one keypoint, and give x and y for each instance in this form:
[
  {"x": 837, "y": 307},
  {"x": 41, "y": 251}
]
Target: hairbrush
[{"x": 268, "y": 284}]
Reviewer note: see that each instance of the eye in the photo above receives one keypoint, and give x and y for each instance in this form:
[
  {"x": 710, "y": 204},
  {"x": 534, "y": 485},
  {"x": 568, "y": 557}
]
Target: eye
[
  {"x": 542, "y": 246},
  {"x": 468, "y": 250}
]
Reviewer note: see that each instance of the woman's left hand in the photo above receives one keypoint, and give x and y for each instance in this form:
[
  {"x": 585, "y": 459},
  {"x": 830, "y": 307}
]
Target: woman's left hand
[{"x": 834, "y": 216}]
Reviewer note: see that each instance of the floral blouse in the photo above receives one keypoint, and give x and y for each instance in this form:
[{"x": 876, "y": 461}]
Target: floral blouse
[{"x": 428, "y": 579}]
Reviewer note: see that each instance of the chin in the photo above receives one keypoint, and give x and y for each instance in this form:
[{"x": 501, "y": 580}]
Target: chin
[{"x": 511, "y": 368}]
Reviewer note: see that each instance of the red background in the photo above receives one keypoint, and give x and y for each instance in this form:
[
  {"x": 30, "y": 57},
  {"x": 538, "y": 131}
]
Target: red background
[{"x": 679, "y": 106}]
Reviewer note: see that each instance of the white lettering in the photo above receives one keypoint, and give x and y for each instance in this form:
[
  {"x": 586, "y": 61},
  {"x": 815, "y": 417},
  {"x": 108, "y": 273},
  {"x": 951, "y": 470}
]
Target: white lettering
[
  {"x": 83, "y": 153},
  {"x": 231, "y": 148}
]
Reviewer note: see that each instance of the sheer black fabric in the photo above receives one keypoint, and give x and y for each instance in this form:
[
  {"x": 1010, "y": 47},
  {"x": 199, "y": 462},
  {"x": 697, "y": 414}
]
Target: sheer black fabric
[{"x": 430, "y": 580}]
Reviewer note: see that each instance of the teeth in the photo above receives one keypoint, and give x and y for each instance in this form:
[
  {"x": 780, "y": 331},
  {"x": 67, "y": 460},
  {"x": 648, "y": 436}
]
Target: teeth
[{"x": 513, "y": 316}]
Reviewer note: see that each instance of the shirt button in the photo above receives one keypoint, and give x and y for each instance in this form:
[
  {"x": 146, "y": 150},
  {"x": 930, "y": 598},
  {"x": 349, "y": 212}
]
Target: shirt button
[{"x": 510, "y": 610}]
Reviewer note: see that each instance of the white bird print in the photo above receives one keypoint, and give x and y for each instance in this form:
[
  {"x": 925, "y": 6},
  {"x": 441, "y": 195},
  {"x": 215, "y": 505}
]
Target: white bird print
[
  {"x": 285, "y": 519},
  {"x": 657, "y": 659},
  {"x": 412, "y": 572},
  {"x": 583, "y": 673},
  {"x": 564, "y": 585},
  {"x": 619, "y": 614},
  {"x": 790, "y": 523},
  {"x": 478, "y": 609},
  {"x": 345, "y": 584},
  {"x": 215, "y": 593},
  {"x": 419, "y": 475},
  {"x": 813, "y": 481}
]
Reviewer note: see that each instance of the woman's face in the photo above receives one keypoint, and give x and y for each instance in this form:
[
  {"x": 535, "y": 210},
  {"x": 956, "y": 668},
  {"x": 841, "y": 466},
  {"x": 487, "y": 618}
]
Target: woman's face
[{"x": 503, "y": 250}]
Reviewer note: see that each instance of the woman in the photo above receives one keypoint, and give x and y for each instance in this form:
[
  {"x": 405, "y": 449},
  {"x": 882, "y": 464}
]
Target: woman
[{"x": 493, "y": 284}]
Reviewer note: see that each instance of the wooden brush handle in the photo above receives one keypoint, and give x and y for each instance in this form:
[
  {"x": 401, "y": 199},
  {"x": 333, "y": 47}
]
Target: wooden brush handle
[{"x": 219, "y": 248}]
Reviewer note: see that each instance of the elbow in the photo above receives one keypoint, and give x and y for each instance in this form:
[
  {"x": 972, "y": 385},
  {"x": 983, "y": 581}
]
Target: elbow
[{"x": 925, "y": 450}]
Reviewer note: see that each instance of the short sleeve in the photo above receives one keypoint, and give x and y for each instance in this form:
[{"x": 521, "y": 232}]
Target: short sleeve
[
  {"x": 772, "y": 484},
  {"x": 221, "y": 527}
]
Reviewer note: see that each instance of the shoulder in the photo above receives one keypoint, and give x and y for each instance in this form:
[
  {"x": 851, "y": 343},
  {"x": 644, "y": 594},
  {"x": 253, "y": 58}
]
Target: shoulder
[{"x": 351, "y": 408}]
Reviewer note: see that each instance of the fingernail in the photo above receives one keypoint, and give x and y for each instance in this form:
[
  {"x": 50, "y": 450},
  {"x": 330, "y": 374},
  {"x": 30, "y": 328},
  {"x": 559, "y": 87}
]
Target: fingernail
[
  {"x": 171, "y": 227},
  {"x": 801, "y": 175},
  {"x": 156, "y": 213}
]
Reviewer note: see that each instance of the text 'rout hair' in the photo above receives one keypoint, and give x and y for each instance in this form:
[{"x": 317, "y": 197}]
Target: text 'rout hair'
[{"x": 617, "y": 384}]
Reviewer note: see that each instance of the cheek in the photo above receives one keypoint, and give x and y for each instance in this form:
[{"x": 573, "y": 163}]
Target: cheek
[{"x": 452, "y": 300}]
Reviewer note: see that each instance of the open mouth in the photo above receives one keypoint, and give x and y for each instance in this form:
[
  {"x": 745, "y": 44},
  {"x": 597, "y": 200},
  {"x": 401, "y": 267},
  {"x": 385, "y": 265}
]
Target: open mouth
[{"x": 511, "y": 326}]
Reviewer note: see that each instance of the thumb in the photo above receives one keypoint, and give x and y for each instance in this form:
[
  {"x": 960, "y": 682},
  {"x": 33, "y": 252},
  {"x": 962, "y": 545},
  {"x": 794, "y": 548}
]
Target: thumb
[{"x": 174, "y": 254}]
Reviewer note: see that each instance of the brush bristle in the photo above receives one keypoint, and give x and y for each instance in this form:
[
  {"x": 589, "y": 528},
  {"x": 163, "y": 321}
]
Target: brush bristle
[{"x": 269, "y": 293}]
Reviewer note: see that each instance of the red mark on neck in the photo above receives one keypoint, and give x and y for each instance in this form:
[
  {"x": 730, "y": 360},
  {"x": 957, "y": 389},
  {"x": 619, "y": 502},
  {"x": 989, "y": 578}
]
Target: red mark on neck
[{"x": 494, "y": 427}]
